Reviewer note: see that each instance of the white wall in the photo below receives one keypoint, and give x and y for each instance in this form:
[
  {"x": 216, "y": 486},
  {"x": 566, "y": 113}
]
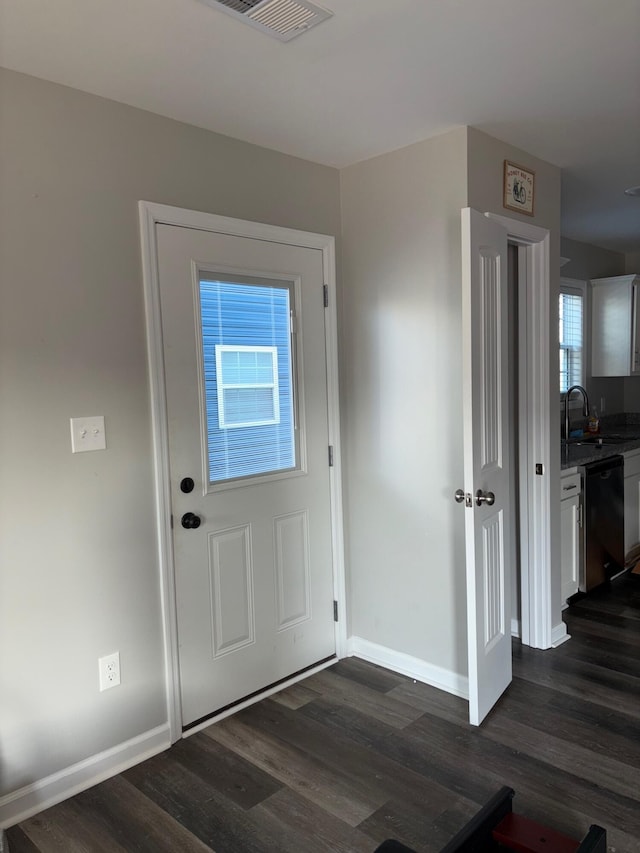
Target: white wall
[
  {"x": 78, "y": 566},
  {"x": 402, "y": 399}
]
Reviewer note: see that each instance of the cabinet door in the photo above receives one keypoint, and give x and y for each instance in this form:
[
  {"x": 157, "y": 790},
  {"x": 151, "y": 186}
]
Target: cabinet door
[
  {"x": 615, "y": 326},
  {"x": 631, "y": 518},
  {"x": 570, "y": 550},
  {"x": 635, "y": 333}
]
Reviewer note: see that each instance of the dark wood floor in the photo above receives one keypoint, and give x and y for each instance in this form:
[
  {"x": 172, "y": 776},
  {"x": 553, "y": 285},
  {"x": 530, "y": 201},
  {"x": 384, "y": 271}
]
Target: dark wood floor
[{"x": 357, "y": 754}]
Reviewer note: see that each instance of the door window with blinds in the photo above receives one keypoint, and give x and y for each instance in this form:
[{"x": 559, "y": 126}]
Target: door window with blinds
[
  {"x": 249, "y": 393},
  {"x": 571, "y": 310}
]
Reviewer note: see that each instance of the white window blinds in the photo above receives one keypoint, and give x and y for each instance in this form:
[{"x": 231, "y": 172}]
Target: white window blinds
[{"x": 571, "y": 315}]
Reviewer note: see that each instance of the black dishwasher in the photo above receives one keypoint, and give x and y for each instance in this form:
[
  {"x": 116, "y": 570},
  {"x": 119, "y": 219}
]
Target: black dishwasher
[{"x": 604, "y": 521}]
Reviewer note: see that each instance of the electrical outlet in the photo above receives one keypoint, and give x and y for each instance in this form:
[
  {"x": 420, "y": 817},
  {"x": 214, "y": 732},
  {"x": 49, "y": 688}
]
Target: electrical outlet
[{"x": 109, "y": 670}]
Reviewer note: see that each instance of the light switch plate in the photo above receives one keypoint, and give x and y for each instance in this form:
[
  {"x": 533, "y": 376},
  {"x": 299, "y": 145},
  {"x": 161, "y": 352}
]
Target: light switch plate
[{"x": 88, "y": 434}]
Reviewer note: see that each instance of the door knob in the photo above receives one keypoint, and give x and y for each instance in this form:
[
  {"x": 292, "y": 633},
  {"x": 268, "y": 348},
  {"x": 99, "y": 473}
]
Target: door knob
[
  {"x": 190, "y": 521},
  {"x": 186, "y": 485},
  {"x": 459, "y": 496},
  {"x": 487, "y": 498}
]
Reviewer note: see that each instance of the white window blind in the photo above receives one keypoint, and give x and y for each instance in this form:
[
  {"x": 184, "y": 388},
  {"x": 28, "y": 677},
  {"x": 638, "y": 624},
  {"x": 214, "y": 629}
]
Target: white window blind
[
  {"x": 571, "y": 315},
  {"x": 248, "y": 377}
]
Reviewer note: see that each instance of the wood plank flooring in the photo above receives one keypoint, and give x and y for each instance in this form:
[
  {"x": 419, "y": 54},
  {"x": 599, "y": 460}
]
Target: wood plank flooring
[{"x": 357, "y": 754}]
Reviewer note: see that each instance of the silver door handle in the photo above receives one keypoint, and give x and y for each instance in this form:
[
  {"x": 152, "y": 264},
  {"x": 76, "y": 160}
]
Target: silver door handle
[
  {"x": 487, "y": 498},
  {"x": 459, "y": 496}
]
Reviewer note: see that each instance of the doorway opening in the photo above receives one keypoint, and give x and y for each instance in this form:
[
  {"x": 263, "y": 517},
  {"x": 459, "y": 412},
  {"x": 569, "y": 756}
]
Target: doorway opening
[{"x": 530, "y": 251}]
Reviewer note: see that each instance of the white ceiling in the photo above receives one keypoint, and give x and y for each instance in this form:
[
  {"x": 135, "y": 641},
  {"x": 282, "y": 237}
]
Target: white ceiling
[{"x": 559, "y": 78}]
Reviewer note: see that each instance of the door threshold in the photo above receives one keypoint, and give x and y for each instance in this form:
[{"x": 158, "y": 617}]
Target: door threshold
[{"x": 257, "y": 696}]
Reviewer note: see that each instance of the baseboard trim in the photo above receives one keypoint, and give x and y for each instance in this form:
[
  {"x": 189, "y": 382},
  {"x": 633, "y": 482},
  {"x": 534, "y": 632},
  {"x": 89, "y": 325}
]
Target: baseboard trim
[
  {"x": 46, "y": 792},
  {"x": 559, "y": 635},
  {"x": 420, "y": 670}
]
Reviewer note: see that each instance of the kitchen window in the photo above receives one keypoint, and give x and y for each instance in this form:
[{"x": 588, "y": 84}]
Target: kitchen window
[{"x": 571, "y": 334}]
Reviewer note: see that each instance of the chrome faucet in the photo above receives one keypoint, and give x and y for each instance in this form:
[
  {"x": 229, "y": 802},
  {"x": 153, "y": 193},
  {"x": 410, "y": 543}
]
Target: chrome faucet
[{"x": 585, "y": 407}]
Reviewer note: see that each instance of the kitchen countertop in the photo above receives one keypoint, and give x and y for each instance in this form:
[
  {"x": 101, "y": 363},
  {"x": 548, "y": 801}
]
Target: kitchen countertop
[{"x": 582, "y": 454}]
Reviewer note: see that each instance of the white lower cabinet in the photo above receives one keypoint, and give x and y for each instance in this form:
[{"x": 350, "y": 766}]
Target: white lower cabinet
[
  {"x": 571, "y": 551},
  {"x": 632, "y": 506}
]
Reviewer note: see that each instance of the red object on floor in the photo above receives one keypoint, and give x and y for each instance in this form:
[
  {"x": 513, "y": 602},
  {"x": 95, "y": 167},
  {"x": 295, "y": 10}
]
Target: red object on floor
[{"x": 526, "y": 836}]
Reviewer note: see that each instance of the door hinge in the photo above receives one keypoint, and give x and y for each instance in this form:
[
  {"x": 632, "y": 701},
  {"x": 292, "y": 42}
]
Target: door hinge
[
  {"x": 580, "y": 514},
  {"x": 325, "y": 295},
  {"x": 539, "y": 469},
  {"x": 335, "y": 611},
  {"x": 331, "y": 456},
  {"x": 172, "y": 521}
]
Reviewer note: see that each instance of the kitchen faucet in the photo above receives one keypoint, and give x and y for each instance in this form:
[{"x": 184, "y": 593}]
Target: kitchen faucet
[{"x": 585, "y": 407}]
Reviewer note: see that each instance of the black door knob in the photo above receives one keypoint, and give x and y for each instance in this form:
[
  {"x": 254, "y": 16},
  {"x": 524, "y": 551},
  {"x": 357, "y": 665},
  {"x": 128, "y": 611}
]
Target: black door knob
[
  {"x": 186, "y": 485},
  {"x": 190, "y": 521}
]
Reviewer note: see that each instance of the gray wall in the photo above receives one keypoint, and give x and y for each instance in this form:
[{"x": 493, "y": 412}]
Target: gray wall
[
  {"x": 587, "y": 262},
  {"x": 632, "y": 263},
  {"x": 78, "y": 565},
  {"x": 402, "y": 399}
]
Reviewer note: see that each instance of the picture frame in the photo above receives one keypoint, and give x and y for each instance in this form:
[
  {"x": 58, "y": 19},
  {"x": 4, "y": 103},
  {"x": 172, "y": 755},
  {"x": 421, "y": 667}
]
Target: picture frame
[{"x": 518, "y": 188}]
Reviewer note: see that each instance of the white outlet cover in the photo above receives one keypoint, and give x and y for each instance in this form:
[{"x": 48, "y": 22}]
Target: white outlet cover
[
  {"x": 88, "y": 434},
  {"x": 109, "y": 671}
]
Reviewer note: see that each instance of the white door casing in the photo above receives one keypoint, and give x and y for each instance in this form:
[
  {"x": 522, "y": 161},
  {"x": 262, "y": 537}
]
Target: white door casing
[
  {"x": 537, "y": 441},
  {"x": 488, "y": 525},
  {"x": 291, "y": 528}
]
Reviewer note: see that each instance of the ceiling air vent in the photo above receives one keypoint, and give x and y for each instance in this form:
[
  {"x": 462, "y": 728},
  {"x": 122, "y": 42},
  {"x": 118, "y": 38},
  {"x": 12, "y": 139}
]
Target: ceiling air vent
[{"x": 282, "y": 19}]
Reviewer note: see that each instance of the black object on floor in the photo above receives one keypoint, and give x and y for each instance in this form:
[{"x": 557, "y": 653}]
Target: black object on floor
[{"x": 496, "y": 828}]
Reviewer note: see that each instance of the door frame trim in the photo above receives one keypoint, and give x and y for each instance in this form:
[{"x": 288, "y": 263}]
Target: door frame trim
[
  {"x": 534, "y": 412},
  {"x": 150, "y": 215}
]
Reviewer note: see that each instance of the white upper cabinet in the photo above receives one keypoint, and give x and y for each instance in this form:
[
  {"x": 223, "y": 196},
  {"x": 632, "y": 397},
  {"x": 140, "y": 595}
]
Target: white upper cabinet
[{"x": 615, "y": 333}]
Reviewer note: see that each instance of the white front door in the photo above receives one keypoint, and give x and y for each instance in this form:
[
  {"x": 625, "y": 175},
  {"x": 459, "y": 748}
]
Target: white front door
[
  {"x": 489, "y": 516},
  {"x": 243, "y": 330}
]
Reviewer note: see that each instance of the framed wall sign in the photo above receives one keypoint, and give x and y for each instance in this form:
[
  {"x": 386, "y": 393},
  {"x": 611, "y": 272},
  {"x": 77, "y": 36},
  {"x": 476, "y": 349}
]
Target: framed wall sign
[{"x": 518, "y": 188}]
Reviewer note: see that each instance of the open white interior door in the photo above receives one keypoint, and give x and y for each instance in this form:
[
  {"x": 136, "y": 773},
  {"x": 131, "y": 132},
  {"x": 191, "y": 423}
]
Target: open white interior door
[{"x": 488, "y": 509}]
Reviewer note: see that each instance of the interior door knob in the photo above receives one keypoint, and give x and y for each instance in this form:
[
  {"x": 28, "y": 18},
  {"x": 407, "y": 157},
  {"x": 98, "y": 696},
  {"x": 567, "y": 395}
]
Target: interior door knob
[
  {"x": 459, "y": 496},
  {"x": 487, "y": 498},
  {"x": 186, "y": 485},
  {"x": 190, "y": 521}
]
